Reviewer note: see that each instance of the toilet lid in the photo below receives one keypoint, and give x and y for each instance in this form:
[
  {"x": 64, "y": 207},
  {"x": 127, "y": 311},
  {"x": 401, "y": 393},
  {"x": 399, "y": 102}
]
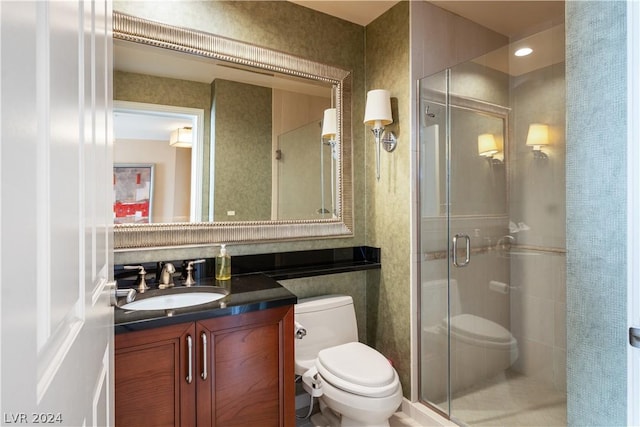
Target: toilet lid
[
  {"x": 358, "y": 369},
  {"x": 468, "y": 325}
]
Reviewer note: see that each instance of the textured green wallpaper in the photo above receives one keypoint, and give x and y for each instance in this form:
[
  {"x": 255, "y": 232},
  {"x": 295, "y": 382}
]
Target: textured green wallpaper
[
  {"x": 242, "y": 140},
  {"x": 388, "y": 200},
  {"x": 159, "y": 90},
  {"x": 353, "y": 284}
]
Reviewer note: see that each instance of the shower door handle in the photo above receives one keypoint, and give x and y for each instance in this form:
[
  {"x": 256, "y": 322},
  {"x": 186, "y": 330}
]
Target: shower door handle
[{"x": 467, "y": 257}]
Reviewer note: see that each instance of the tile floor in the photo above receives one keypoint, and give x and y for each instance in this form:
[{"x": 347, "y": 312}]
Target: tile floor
[
  {"x": 508, "y": 400},
  {"x": 511, "y": 400},
  {"x": 398, "y": 420}
]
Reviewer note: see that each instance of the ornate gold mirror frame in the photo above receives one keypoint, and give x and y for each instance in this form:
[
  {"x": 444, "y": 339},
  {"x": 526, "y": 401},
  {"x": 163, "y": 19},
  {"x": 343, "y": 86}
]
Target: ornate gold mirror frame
[{"x": 133, "y": 29}]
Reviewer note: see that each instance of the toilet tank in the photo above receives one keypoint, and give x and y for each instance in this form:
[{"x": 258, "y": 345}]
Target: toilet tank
[{"x": 329, "y": 320}]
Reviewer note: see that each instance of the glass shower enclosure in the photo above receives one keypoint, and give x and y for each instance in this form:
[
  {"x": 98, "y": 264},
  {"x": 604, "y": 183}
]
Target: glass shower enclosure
[{"x": 492, "y": 209}]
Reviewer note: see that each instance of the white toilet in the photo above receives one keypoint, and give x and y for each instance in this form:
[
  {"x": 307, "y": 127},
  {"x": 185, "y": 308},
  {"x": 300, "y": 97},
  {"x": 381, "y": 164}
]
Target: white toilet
[
  {"x": 356, "y": 385},
  {"x": 480, "y": 348}
]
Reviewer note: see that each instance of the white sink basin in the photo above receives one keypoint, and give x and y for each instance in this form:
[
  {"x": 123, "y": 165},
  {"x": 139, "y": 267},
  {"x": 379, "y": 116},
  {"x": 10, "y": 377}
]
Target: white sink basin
[{"x": 170, "y": 301}]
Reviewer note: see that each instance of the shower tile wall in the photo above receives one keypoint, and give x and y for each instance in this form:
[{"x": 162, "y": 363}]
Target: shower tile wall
[
  {"x": 537, "y": 199},
  {"x": 538, "y": 320}
]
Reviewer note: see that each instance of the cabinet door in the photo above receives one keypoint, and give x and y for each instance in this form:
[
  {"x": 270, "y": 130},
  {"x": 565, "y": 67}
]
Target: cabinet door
[
  {"x": 152, "y": 370},
  {"x": 250, "y": 379}
]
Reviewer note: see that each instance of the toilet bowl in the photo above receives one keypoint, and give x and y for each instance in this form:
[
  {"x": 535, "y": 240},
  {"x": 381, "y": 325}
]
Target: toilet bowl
[
  {"x": 356, "y": 385},
  {"x": 480, "y": 349}
]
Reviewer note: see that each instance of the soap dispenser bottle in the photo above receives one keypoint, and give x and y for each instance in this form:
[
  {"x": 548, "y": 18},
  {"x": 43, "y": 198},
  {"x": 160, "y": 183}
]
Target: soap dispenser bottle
[{"x": 223, "y": 264}]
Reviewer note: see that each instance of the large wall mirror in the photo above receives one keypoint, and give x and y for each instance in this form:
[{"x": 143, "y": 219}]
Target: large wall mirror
[{"x": 235, "y": 136}]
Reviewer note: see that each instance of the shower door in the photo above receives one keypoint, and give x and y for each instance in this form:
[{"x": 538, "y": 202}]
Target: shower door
[
  {"x": 492, "y": 241},
  {"x": 464, "y": 291}
]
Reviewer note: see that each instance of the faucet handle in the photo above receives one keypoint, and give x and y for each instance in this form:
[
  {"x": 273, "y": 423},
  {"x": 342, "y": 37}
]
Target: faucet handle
[
  {"x": 136, "y": 267},
  {"x": 140, "y": 282},
  {"x": 189, "y": 281}
]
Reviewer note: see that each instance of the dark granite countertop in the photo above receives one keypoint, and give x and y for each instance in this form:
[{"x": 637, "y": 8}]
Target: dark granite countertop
[
  {"x": 249, "y": 292},
  {"x": 253, "y": 285}
]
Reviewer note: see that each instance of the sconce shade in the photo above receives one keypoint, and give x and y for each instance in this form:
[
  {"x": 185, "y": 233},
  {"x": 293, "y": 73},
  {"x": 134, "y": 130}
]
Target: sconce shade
[
  {"x": 378, "y": 110},
  {"x": 181, "y": 138},
  {"x": 538, "y": 135},
  {"x": 487, "y": 145},
  {"x": 329, "y": 124}
]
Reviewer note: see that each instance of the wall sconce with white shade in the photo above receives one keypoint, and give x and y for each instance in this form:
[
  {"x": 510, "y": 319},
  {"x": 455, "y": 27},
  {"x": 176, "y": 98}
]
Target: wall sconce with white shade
[
  {"x": 181, "y": 138},
  {"x": 537, "y": 137},
  {"x": 488, "y": 148},
  {"x": 377, "y": 114}
]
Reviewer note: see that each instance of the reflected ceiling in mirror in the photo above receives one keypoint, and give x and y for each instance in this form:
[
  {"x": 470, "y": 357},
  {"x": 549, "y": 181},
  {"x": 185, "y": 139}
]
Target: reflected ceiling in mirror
[{"x": 260, "y": 67}]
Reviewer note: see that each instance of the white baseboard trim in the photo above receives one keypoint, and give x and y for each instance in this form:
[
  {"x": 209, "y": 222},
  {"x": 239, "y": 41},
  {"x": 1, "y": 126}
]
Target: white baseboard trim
[{"x": 424, "y": 416}]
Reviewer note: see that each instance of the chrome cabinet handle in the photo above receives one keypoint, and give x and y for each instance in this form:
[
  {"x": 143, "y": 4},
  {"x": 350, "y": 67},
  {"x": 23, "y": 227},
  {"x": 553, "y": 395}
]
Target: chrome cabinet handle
[
  {"x": 203, "y": 337},
  {"x": 634, "y": 337},
  {"x": 190, "y": 359},
  {"x": 467, "y": 248},
  {"x": 115, "y": 293}
]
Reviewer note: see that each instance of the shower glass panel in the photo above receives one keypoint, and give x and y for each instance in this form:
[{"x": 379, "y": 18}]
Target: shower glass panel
[{"x": 492, "y": 293}]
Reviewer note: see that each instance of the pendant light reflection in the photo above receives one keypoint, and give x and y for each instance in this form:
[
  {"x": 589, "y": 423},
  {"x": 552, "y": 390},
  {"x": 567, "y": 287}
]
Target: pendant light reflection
[{"x": 181, "y": 138}]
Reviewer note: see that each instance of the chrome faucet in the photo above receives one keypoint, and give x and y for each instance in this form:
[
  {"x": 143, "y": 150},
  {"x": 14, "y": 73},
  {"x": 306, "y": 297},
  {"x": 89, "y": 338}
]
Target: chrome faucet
[
  {"x": 141, "y": 283},
  {"x": 166, "y": 276}
]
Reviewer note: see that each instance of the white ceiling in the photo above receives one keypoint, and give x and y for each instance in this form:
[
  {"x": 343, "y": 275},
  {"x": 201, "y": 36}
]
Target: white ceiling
[
  {"x": 538, "y": 24},
  {"x": 514, "y": 18},
  {"x": 361, "y": 12}
]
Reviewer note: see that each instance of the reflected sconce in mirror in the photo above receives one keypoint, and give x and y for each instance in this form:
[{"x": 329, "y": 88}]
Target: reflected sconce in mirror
[
  {"x": 377, "y": 114},
  {"x": 329, "y": 129},
  {"x": 537, "y": 137},
  {"x": 488, "y": 148},
  {"x": 181, "y": 138},
  {"x": 329, "y": 124}
]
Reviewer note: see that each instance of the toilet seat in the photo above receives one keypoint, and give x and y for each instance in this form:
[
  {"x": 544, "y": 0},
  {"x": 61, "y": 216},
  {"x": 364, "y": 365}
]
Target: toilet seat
[
  {"x": 358, "y": 369},
  {"x": 478, "y": 330}
]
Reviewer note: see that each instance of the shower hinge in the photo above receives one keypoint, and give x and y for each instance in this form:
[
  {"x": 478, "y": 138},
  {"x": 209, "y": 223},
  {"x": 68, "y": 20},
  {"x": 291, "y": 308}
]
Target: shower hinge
[{"x": 634, "y": 337}]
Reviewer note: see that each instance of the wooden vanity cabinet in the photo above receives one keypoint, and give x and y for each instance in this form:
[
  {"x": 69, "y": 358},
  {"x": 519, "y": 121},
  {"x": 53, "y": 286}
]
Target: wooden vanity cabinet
[
  {"x": 151, "y": 369},
  {"x": 251, "y": 381},
  {"x": 241, "y": 365}
]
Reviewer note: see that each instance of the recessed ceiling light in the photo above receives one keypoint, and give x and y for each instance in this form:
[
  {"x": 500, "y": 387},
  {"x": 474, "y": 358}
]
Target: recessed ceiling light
[{"x": 524, "y": 51}]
